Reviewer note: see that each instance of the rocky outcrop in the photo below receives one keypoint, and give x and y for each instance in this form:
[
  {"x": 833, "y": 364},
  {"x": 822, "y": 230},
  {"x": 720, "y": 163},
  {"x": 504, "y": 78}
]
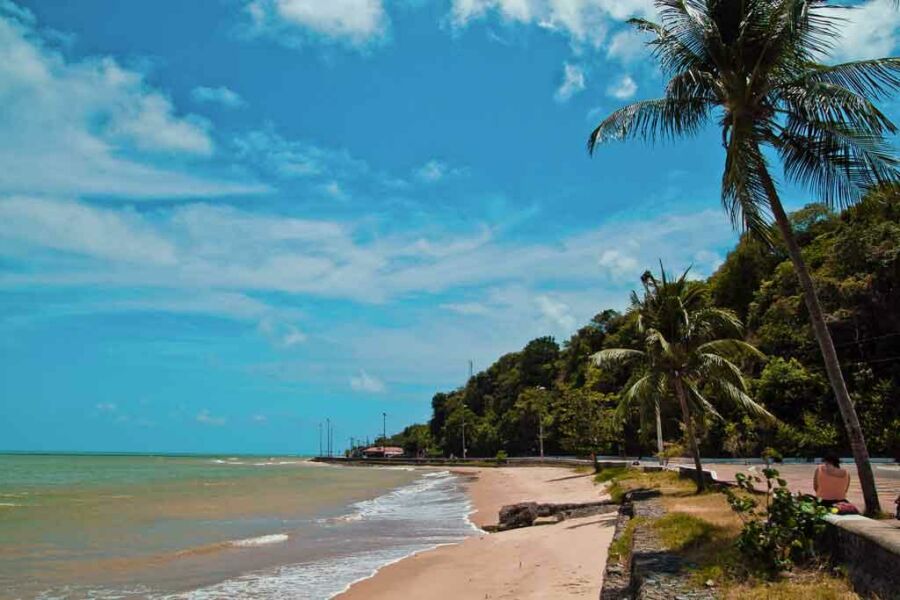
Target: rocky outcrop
[
  {"x": 524, "y": 514},
  {"x": 513, "y": 516}
]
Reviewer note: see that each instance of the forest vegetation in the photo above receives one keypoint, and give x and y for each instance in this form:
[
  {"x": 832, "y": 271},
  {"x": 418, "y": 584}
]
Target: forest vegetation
[{"x": 854, "y": 260}]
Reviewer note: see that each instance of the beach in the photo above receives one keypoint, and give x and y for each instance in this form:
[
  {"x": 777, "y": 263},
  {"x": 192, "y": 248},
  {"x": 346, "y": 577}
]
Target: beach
[{"x": 562, "y": 560}]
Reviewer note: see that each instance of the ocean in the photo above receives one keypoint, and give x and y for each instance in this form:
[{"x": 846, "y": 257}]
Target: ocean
[{"x": 209, "y": 527}]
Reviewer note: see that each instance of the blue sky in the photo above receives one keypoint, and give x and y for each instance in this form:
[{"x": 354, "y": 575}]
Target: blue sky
[{"x": 222, "y": 222}]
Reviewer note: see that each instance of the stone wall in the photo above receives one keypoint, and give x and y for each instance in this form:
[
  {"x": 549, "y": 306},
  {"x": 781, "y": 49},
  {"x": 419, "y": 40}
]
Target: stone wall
[{"x": 870, "y": 551}]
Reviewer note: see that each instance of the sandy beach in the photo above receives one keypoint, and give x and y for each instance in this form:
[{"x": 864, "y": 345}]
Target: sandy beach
[{"x": 562, "y": 560}]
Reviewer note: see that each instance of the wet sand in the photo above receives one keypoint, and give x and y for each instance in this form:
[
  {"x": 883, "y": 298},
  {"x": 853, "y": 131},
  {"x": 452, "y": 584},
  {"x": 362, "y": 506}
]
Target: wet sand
[{"x": 562, "y": 560}]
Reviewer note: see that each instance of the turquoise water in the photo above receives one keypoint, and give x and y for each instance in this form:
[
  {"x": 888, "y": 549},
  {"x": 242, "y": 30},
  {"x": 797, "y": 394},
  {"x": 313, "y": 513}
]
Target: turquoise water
[{"x": 105, "y": 526}]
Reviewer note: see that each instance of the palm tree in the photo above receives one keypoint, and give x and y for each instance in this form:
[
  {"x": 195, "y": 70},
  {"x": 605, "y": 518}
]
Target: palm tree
[
  {"x": 688, "y": 348},
  {"x": 755, "y": 64}
]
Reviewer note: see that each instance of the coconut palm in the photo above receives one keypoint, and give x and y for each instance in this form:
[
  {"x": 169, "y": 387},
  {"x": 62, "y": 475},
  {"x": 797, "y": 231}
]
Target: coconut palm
[
  {"x": 755, "y": 66},
  {"x": 689, "y": 348}
]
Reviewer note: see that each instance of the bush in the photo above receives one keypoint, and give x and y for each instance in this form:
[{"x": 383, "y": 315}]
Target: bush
[
  {"x": 671, "y": 451},
  {"x": 772, "y": 455},
  {"x": 502, "y": 457},
  {"x": 782, "y": 534}
]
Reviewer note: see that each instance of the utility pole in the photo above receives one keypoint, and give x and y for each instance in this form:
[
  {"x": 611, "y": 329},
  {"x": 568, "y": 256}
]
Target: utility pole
[
  {"x": 471, "y": 368},
  {"x": 350, "y": 453},
  {"x": 320, "y": 438},
  {"x": 383, "y": 431},
  {"x": 541, "y": 437},
  {"x": 541, "y": 422},
  {"x": 464, "y": 438},
  {"x": 328, "y": 433}
]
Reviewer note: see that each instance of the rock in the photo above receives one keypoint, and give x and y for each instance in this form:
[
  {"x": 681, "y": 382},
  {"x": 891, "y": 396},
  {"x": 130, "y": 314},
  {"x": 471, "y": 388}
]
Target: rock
[
  {"x": 514, "y": 516},
  {"x": 710, "y": 583}
]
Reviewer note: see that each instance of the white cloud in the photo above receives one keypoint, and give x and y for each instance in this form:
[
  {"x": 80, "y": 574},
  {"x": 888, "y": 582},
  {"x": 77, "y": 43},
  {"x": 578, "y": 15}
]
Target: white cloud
[
  {"x": 106, "y": 407},
  {"x": 92, "y": 126},
  {"x": 292, "y": 159},
  {"x": 217, "y": 95},
  {"x": 116, "y": 235},
  {"x": 584, "y": 22},
  {"x": 467, "y": 308},
  {"x": 284, "y": 335},
  {"x": 557, "y": 312},
  {"x": 367, "y": 383},
  {"x": 627, "y": 46},
  {"x": 432, "y": 171},
  {"x": 623, "y": 88},
  {"x": 573, "y": 82},
  {"x": 618, "y": 264},
  {"x": 218, "y": 249},
  {"x": 869, "y": 30},
  {"x": 206, "y": 418},
  {"x": 353, "y": 22},
  {"x": 259, "y": 418}
]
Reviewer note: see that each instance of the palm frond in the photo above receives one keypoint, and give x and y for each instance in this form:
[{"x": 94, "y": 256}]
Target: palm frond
[
  {"x": 877, "y": 78},
  {"x": 743, "y": 401},
  {"x": 731, "y": 348},
  {"x": 663, "y": 118},
  {"x": 838, "y": 162},
  {"x": 613, "y": 357},
  {"x": 700, "y": 404}
]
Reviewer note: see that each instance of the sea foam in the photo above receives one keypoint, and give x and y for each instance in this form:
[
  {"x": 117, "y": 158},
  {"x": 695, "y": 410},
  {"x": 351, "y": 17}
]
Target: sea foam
[{"x": 430, "y": 512}]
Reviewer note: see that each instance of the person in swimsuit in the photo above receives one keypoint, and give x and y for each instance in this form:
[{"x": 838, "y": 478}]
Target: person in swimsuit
[{"x": 830, "y": 481}]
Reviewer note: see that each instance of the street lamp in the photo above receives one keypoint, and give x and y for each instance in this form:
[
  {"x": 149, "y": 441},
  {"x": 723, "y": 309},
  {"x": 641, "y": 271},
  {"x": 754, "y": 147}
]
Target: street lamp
[
  {"x": 541, "y": 423},
  {"x": 464, "y": 438}
]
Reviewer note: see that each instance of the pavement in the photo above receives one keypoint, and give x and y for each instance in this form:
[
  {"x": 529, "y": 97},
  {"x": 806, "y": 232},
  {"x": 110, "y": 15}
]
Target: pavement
[{"x": 800, "y": 477}]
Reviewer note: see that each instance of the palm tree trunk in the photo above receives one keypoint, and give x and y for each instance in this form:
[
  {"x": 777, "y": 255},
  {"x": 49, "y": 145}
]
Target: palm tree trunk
[
  {"x": 823, "y": 336},
  {"x": 689, "y": 431},
  {"x": 659, "y": 437}
]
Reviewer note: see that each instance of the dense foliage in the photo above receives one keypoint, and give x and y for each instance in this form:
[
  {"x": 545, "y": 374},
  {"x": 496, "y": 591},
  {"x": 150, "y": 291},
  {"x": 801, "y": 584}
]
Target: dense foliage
[{"x": 854, "y": 258}]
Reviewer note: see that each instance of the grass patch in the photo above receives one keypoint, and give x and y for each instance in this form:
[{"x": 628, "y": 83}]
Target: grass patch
[
  {"x": 809, "y": 586},
  {"x": 609, "y": 474},
  {"x": 679, "y": 531},
  {"x": 620, "y": 548},
  {"x": 702, "y": 528}
]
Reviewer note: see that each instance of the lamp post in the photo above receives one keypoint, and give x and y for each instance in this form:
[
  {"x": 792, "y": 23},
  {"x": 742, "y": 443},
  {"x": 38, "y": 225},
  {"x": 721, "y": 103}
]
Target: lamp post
[
  {"x": 464, "y": 438},
  {"x": 541, "y": 422},
  {"x": 320, "y": 439},
  {"x": 328, "y": 438},
  {"x": 384, "y": 434}
]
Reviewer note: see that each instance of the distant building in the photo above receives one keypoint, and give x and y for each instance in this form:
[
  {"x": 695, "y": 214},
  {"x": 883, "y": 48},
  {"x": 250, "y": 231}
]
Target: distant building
[{"x": 383, "y": 452}]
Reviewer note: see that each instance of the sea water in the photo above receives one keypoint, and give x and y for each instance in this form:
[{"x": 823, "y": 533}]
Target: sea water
[{"x": 194, "y": 528}]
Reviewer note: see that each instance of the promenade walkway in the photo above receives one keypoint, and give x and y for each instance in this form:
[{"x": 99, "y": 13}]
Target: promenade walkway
[{"x": 800, "y": 476}]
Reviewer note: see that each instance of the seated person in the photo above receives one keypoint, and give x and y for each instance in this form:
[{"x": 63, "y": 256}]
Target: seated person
[{"x": 830, "y": 481}]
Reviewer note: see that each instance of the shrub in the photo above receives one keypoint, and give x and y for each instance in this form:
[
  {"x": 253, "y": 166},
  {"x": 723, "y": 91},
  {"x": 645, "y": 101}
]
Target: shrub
[
  {"x": 772, "y": 455},
  {"x": 501, "y": 457},
  {"x": 671, "y": 451},
  {"x": 781, "y": 534}
]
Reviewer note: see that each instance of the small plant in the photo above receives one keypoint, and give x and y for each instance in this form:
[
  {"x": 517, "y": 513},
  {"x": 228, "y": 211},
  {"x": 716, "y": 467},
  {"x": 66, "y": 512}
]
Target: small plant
[
  {"x": 771, "y": 455},
  {"x": 502, "y": 457},
  {"x": 671, "y": 451},
  {"x": 781, "y": 534}
]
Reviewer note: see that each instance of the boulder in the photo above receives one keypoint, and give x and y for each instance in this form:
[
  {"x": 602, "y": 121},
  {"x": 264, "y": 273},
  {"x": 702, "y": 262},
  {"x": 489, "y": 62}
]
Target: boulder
[{"x": 518, "y": 515}]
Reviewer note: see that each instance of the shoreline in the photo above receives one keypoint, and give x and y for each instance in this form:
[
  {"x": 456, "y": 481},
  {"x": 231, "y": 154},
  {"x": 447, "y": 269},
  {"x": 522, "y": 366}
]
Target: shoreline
[{"x": 564, "y": 560}]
